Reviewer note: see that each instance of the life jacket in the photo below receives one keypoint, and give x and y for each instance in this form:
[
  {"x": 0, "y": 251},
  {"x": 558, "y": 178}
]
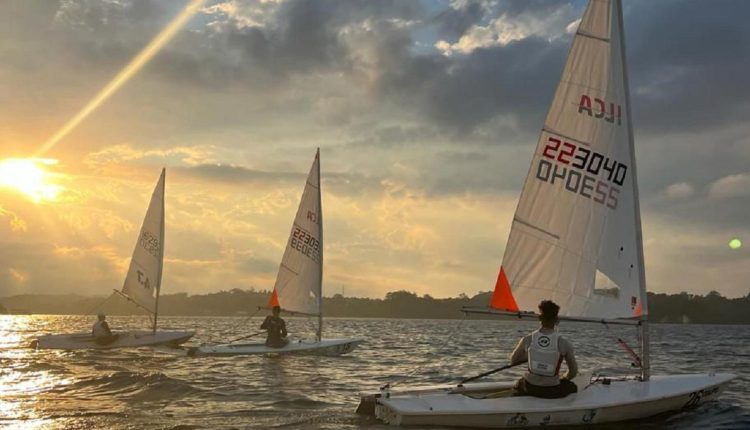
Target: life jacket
[
  {"x": 544, "y": 354},
  {"x": 100, "y": 329}
]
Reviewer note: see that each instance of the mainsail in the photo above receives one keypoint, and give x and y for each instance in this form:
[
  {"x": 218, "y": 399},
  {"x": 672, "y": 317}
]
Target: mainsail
[
  {"x": 575, "y": 237},
  {"x": 143, "y": 280},
  {"x": 298, "y": 283}
]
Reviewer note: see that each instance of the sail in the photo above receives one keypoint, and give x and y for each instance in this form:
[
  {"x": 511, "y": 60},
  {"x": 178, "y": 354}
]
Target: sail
[
  {"x": 143, "y": 280},
  {"x": 575, "y": 237},
  {"x": 298, "y": 284}
]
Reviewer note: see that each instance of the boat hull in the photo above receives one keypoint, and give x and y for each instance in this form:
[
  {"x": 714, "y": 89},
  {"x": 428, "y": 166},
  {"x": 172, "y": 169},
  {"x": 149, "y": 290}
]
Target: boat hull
[
  {"x": 328, "y": 347},
  {"x": 619, "y": 400},
  {"x": 129, "y": 339}
]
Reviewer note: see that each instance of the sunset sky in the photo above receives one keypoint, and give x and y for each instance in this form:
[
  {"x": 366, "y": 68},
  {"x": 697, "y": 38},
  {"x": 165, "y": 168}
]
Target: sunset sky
[{"x": 426, "y": 114}]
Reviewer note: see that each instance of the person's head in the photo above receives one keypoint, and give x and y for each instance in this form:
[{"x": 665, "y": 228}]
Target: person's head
[
  {"x": 548, "y": 313},
  {"x": 101, "y": 316},
  {"x": 276, "y": 310}
]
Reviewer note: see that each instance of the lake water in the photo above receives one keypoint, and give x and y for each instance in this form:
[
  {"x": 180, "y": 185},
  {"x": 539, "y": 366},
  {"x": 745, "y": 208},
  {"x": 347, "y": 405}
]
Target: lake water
[{"x": 162, "y": 388}]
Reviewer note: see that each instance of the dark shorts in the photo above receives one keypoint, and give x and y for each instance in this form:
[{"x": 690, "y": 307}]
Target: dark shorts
[{"x": 523, "y": 388}]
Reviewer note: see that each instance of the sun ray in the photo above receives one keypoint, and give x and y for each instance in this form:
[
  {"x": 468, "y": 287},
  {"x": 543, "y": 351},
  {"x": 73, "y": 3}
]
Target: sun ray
[{"x": 125, "y": 74}]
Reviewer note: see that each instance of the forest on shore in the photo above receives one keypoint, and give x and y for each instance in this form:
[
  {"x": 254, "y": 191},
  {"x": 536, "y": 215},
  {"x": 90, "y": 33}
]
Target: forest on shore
[{"x": 668, "y": 308}]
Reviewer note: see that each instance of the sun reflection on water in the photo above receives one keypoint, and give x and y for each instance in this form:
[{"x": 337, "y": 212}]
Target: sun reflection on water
[{"x": 23, "y": 376}]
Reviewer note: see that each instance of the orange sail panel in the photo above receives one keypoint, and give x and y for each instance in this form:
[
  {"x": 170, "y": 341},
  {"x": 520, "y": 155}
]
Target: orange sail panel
[
  {"x": 274, "y": 300},
  {"x": 638, "y": 311},
  {"x": 502, "y": 298}
]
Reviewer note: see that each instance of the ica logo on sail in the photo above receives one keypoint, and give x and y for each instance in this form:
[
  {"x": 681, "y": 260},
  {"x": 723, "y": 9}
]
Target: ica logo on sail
[{"x": 598, "y": 108}]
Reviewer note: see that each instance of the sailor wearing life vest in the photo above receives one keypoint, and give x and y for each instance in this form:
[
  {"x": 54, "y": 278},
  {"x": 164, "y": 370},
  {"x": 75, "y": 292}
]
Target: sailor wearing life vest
[
  {"x": 545, "y": 350},
  {"x": 101, "y": 331}
]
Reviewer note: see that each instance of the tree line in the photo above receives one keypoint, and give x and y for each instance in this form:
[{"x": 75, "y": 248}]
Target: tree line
[{"x": 667, "y": 308}]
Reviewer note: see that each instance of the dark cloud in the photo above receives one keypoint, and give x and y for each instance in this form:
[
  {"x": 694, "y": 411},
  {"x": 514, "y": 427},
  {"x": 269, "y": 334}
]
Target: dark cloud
[
  {"x": 514, "y": 8},
  {"x": 464, "y": 92},
  {"x": 725, "y": 214},
  {"x": 342, "y": 183},
  {"x": 452, "y": 23},
  {"x": 394, "y": 136},
  {"x": 306, "y": 37},
  {"x": 238, "y": 174},
  {"x": 688, "y": 63}
]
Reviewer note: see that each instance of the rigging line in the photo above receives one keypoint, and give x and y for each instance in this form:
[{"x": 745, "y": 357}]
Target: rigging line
[
  {"x": 245, "y": 321},
  {"x": 439, "y": 351},
  {"x": 90, "y": 311},
  {"x": 150, "y": 312},
  {"x": 636, "y": 360}
]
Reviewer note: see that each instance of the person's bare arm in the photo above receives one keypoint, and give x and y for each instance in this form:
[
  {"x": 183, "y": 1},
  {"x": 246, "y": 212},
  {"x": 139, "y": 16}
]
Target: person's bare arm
[
  {"x": 519, "y": 353},
  {"x": 570, "y": 361}
]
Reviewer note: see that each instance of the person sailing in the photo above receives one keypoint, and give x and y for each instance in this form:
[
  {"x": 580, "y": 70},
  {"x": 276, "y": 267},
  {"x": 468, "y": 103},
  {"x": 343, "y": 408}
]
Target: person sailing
[
  {"x": 101, "y": 332},
  {"x": 545, "y": 350},
  {"x": 276, "y": 327}
]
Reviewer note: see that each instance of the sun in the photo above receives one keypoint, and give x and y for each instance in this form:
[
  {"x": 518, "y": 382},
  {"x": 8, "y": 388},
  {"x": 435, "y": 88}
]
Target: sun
[{"x": 29, "y": 177}]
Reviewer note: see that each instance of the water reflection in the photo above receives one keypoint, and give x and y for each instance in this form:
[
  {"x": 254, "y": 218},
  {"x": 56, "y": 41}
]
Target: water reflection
[{"x": 154, "y": 388}]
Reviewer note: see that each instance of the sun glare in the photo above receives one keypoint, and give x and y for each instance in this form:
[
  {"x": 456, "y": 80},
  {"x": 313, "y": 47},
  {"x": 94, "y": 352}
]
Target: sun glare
[{"x": 29, "y": 177}]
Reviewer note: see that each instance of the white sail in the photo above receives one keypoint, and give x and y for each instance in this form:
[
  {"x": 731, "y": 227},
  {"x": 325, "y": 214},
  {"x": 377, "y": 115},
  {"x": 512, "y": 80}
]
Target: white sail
[
  {"x": 143, "y": 280},
  {"x": 575, "y": 237},
  {"x": 298, "y": 284}
]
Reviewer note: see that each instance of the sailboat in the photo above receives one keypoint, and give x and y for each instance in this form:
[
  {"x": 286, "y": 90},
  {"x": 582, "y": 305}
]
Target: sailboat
[
  {"x": 142, "y": 287},
  {"x": 575, "y": 239},
  {"x": 298, "y": 289}
]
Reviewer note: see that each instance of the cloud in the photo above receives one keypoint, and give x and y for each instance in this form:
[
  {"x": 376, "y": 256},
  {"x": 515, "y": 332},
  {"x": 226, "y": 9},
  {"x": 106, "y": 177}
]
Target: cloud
[
  {"x": 731, "y": 186},
  {"x": 511, "y": 27},
  {"x": 239, "y": 174},
  {"x": 424, "y": 153},
  {"x": 459, "y": 17},
  {"x": 679, "y": 190},
  {"x": 683, "y": 79}
]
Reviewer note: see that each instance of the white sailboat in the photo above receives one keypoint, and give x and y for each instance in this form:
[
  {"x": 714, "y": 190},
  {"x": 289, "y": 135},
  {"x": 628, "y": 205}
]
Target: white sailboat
[
  {"x": 576, "y": 240},
  {"x": 298, "y": 287},
  {"x": 142, "y": 287}
]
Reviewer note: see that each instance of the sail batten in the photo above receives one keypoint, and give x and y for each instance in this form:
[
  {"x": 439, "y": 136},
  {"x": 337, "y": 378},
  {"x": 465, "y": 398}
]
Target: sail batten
[{"x": 573, "y": 238}]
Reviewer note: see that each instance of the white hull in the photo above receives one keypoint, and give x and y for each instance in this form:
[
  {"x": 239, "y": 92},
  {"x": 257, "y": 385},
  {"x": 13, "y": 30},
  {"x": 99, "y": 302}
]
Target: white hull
[
  {"x": 329, "y": 347},
  {"x": 129, "y": 339},
  {"x": 468, "y": 406}
]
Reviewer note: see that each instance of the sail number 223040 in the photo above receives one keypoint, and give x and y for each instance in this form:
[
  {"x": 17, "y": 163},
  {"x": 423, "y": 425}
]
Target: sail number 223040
[{"x": 582, "y": 171}]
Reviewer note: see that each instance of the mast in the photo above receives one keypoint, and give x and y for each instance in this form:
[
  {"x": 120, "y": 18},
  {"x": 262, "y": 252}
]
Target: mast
[
  {"x": 645, "y": 361},
  {"x": 161, "y": 249},
  {"x": 319, "y": 334}
]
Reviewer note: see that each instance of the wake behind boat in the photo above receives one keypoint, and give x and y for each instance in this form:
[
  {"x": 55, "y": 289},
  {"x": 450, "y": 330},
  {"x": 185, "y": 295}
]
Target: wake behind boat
[
  {"x": 575, "y": 239},
  {"x": 299, "y": 283},
  {"x": 142, "y": 287}
]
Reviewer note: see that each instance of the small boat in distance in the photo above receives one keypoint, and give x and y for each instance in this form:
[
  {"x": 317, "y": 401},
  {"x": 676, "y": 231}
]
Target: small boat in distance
[
  {"x": 299, "y": 284},
  {"x": 142, "y": 287},
  {"x": 575, "y": 239}
]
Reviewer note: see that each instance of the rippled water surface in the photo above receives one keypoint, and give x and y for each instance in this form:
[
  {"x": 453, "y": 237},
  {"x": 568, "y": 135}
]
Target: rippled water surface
[{"x": 162, "y": 388}]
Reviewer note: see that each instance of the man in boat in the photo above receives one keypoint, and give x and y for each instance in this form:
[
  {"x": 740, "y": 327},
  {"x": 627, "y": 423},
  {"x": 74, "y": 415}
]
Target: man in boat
[
  {"x": 276, "y": 329},
  {"x": 101, "y": 331},
  {"x": 545, "y": 350}
]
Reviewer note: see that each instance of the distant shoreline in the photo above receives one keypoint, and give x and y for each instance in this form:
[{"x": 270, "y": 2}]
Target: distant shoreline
[
  {"x": 489, "y": 318},
  {"x": 680, "y": 308}
]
